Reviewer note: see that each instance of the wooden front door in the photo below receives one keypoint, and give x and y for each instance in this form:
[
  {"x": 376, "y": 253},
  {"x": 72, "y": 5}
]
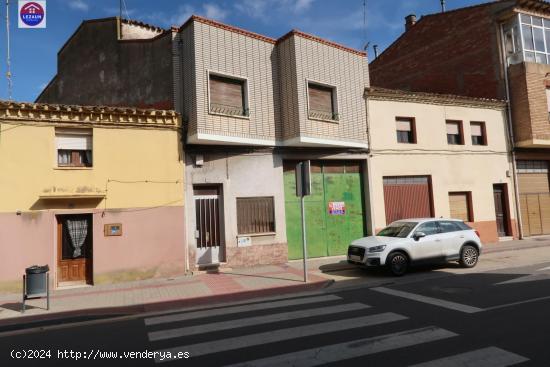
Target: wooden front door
[
  {"x": 501, "y": 210},
  {"x": 74, "y": 249}
]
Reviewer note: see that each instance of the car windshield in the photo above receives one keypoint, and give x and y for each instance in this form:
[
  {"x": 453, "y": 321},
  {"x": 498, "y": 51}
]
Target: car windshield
[{"x": 398, "y": 229}]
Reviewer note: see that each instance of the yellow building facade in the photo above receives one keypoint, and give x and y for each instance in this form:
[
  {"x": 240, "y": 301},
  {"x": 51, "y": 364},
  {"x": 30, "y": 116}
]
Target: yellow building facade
[{"x": 96, "y": 193}]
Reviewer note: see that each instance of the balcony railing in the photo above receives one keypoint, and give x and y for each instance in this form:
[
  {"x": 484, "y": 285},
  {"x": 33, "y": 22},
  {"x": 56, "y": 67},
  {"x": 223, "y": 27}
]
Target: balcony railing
[
  {"x": 323, "y": 115},
  {"x": 228, "y": 110}
]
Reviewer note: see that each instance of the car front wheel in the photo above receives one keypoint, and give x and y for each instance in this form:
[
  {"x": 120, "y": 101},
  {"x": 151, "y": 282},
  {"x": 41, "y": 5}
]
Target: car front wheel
[
  {"x": 398, "y": 263},
  {"x": 469, "y": 256}
]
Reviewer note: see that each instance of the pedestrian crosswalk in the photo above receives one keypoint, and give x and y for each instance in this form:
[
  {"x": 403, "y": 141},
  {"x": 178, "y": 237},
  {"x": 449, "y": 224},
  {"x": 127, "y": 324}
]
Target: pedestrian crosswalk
[{"x": 213, "y": 332}]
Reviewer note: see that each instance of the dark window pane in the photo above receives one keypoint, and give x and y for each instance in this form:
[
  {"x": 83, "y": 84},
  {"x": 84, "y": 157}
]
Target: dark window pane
[
  {"x": 453, "y": 139},
  {"x": 477, "y": 140},
  {"x": 428, "y": 228},
  {"x": 525, "y": 18},
  {"x": 537, "y": 21},
  {"x": 448, "y": 226},
  {"x": 404, "y": 136}
]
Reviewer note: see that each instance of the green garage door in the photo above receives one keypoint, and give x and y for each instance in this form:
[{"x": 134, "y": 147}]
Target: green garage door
[{"x": 334, "y": 211}]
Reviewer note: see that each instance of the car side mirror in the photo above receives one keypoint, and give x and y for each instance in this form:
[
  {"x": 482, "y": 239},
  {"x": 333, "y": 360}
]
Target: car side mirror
[{"x": 419, "y": 235}]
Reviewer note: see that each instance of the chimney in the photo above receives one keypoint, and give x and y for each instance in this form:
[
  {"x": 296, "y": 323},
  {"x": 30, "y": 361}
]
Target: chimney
[
  {"x": 443, "y": 6},
  {"x": 375, "y": 47},
  {"x": 410, "y": 21}
]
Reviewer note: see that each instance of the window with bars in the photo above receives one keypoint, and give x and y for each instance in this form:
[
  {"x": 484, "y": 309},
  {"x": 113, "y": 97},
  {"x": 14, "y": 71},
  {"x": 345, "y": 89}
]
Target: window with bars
[
  {"x": 322, "y": 102},
  {"x": 228, "y": 95},
  {"x": 255, "y": 215},
  {"x": 74, "y": 147},
  {"x": 479, "y": 135},
  {"x": 454, "y": 133},
  {"x": 406, "y": 130}
]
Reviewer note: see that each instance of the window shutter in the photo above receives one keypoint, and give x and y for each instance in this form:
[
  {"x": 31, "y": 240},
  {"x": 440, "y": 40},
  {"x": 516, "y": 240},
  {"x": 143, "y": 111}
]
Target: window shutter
[
  {"x": 452, "y": 128},
  {"x": 225, "y": 92},
  {"x": 403, "y": 125},
  {"x": 74, "y": 141},
  {"x": 255, "y": 215},
  {"x": 320, "y": 98},
  {"x": 548, "y": 98},
  {"x": 458, "y": 203},
  {"x": 476, "y": 129}
]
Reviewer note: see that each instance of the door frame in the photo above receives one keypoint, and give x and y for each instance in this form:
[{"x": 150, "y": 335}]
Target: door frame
[
  {"x": 89, "y": 272},
  {"x": 221, "y": 220},
  {"x": 506, "y": 208}
]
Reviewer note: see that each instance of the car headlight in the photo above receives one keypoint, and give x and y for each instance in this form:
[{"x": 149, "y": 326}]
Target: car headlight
[{"x": 377, "y": 248}]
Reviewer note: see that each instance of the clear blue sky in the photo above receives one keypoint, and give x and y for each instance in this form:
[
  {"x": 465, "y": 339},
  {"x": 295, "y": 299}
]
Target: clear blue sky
[{"x": 34, "y": 51}]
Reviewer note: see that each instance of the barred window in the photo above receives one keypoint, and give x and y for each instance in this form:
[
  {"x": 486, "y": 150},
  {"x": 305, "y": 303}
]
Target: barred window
[{"x": 255, "y": 215}]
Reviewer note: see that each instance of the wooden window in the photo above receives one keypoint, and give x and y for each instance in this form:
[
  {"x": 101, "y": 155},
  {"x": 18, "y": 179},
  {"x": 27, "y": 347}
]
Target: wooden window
[
  {"x": 406, "y": 130},
  {"x": 255, "y": 215},
  {"x": 228, "y": 95},
  {"x": 322, "y": 102},
  {"x": 455, "y": 134},
  {"x": 460, "y": 204},
  {"x": 479, "y": 134},
  {"x": 74, "y": 147}
]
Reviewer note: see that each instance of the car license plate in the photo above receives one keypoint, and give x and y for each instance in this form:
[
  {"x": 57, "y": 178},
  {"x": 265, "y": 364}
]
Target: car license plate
[{"x": 355, "y": 257}]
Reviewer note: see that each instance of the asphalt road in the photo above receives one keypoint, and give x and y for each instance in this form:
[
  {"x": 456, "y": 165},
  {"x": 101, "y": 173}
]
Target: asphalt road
[{"x": 500, "y": 318}]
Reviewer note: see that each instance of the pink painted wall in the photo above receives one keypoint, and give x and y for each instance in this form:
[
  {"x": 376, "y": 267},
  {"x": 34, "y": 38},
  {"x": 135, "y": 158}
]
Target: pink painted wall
[
  {"x": 25, "y": 240},
  {"x": 153, "y": 238}
]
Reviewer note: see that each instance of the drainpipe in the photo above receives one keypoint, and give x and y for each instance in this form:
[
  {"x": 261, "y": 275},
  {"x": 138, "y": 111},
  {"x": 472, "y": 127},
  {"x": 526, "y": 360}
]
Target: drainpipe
[{"x": 511, "y": 134}]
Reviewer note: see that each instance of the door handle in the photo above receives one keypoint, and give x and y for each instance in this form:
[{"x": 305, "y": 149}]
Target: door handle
[{"x": 437, "y": 240}]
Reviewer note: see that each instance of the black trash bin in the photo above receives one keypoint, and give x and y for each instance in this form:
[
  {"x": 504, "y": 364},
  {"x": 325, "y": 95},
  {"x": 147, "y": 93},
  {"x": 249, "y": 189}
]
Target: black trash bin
[{"x": 36, "y": 284}]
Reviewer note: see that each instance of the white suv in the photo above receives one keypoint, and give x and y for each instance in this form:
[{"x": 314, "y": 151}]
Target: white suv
[{"x": 410, "y": 241}]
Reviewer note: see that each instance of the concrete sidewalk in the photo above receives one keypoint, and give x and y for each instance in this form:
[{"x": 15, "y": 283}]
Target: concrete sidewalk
[{"x": 226, "y": 286}]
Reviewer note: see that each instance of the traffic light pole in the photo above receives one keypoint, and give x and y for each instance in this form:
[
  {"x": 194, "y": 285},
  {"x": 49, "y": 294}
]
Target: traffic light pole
[{"x": 304, "y": 241}]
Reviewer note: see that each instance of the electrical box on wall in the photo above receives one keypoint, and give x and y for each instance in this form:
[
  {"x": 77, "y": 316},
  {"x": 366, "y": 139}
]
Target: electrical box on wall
[
  {"x": 199, "y": 160},
  {"x": 113, "y": 229}
]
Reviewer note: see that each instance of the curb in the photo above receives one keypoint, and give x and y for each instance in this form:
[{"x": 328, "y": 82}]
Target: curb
[{"x": 44, "y": 321}]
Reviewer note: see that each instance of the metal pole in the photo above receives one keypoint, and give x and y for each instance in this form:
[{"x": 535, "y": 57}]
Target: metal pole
[
  {"x": 304, "y": 241},
  {"x": 8, "y": 56}
]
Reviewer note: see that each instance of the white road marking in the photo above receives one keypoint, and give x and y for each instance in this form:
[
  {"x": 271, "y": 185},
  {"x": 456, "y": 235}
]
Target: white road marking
[
  {"x": 251, "y": 321},
  {"x": 517, "y": 303},
  {"x": 273, "y": 336},
  {"x": 356, "y": 348},
  {"x": 237, "y": 309},
  {"x": 486, "y": 357},
  {"x": 429, "y": 300}
]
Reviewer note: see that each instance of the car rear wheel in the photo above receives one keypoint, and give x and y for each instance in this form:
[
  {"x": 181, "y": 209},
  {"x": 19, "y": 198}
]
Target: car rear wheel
[
  {"x": 398, "y": 263},
  {"x": 469, "y": 255}
]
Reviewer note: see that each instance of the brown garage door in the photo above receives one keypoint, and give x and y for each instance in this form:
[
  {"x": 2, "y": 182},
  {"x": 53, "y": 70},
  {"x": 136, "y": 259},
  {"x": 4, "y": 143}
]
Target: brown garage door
[
  {"x": 407, "y": 197},
  {"x": 534, "y": 197}
]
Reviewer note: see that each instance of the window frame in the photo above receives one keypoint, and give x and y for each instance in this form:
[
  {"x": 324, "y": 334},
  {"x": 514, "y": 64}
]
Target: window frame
[
  {"x": 335, "y": 103},
  {"x": 469, "y": 204},
  {"x": 246, "y": 96},
  {"x": 460, "y": 132},
  {"x": 253, "y": 234},
  {"x": 483, "y": 133},
  {"x": 412, "y": 121},
  {"x": 73, "y": 153}
]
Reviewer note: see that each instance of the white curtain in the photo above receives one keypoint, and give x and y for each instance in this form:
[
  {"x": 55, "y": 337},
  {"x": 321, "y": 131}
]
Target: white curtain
[{"x": 78, "y": 231}]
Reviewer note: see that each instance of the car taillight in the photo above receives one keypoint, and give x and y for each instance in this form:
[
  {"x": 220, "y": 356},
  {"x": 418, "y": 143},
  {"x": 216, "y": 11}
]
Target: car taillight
[{"x": 477, "y": 232}]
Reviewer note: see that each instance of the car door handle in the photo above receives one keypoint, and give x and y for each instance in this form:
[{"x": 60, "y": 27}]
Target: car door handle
[{"x": 437, "y": 240}]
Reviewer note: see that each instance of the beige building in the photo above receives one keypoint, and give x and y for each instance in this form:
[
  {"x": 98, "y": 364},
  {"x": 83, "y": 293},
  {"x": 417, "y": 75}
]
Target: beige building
[{"x": 440, "y": 156}]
